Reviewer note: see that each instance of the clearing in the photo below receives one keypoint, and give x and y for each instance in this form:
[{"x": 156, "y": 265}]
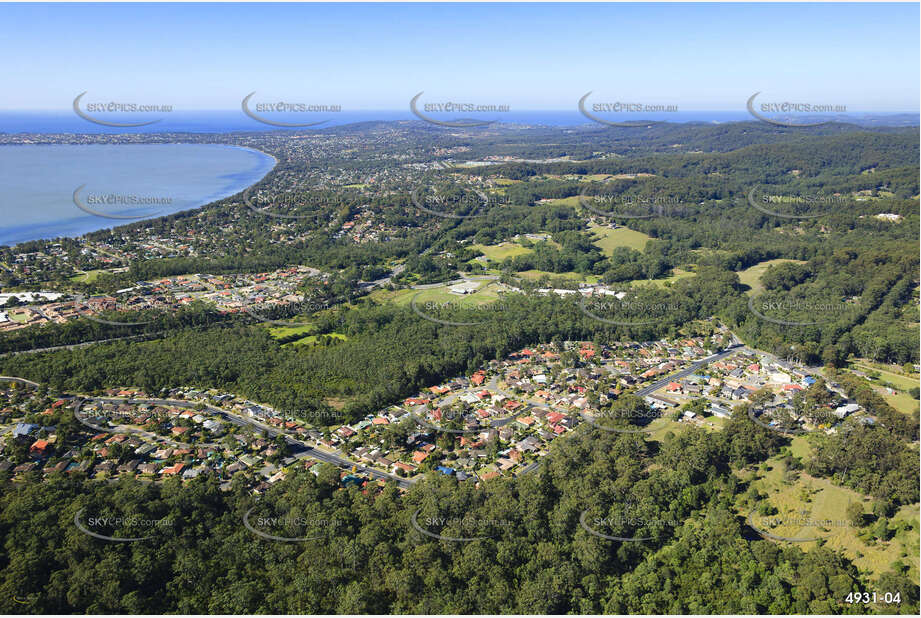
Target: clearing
[
  {"x": 609, "y": 239},
  {"x": 752, "y": 276}
]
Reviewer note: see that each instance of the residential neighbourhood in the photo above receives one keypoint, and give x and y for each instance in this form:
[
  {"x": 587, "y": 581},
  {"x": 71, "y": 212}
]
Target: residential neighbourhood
[
  {"x": 227, "y": 293},
  {"x": 498, "y": 421}
]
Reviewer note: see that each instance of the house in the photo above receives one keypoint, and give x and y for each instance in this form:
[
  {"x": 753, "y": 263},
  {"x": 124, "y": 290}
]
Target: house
[
  {"x": 23, "y": 430},
  {"x": 845, "y": 410},
  {"x": 40, "y": 448},
  {"x": 528, "y": 444},
  {"x": 405, "y": 467},
  {"x": 740, "y": 393},
  {"x": 26, "y": 467},
  {"x": 170, "y": 470},
  {"x": 659, "y": 402},
  {"x": 213, "y": 426},
  {"x": 148, "y": 468},
  {"x": 505, "y": 464}
]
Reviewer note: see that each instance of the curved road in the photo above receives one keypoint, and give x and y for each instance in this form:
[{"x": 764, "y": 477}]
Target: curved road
[{"x": 299, "y": 448}]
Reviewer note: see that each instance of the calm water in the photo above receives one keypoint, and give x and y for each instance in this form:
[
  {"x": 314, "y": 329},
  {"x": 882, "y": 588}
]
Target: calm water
[
  {"x": 228, "y": 121},
  {"x": 134, "y": 182}
]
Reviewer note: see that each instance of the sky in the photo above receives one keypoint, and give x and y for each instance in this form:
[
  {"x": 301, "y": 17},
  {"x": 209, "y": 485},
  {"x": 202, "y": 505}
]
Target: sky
[{"x": 527, "y": 56}]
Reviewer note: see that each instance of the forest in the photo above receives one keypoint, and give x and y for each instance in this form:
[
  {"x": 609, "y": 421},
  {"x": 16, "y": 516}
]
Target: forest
[{"x": 364, "y": 555}]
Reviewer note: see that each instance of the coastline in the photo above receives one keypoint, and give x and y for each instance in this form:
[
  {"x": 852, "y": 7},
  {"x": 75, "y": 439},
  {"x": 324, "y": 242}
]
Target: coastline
[{"x": 76, "y": 227}]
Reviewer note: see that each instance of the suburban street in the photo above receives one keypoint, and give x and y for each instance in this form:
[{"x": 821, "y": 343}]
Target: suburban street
[
  {"x": 299, "y": 448},
  {"x": 689, "y": 370}
]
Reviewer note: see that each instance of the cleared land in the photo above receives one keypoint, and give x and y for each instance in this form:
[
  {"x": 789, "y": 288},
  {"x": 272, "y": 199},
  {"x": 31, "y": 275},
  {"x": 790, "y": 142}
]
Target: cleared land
[
  {"x": 279, "y": 332},
  {"x": 800, "y": 498},
  {"x": 899, "y": 380},
  {"x": 87, "y": 277},
  {"x": 677, "y": 273},
  {"x": 312, "y": 339},
  {"x": 502, "y": 251},
  {"x": 486, "y": 292},
  {"x": 752, "y": 276},
  {"x": 537, "y": 274},
  {"x": 609, "y": 239}
]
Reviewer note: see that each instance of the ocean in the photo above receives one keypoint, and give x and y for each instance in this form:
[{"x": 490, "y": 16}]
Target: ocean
[{"x": 227, "y": 121}]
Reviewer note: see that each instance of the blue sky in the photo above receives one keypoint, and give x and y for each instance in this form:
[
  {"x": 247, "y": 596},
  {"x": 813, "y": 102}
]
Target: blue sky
[{"x": 528, "y": 56}]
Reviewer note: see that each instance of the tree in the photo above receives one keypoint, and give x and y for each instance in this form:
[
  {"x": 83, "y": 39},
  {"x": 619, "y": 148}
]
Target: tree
[{"x": 855, "y": 514}]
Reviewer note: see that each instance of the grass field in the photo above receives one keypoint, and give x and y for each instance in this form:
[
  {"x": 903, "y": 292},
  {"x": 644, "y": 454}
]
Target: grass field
[
  {"x": 751, "y": 276},
  {"x": 486, "y": 292},
  {"x": 280, "y": 332},
  {"x": 902, "y": 402},
  {"x": 800, "y": 447},
  {"x": 87, "y": 277},
  {"x": 609, "y": 239},
  {"x": 18, "y": 315},
  {"x": 283, "y": 332},
  {"x": 312, "y": 339},
  {"x": 537, "y": 274},
  {"x": 502, "y": 251},
  {"x": 899, "y": 380},
  {"x": 818, "y": 499},
  {"x": 677, "y": 273},
  {"x": 566, "y": 201}
]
